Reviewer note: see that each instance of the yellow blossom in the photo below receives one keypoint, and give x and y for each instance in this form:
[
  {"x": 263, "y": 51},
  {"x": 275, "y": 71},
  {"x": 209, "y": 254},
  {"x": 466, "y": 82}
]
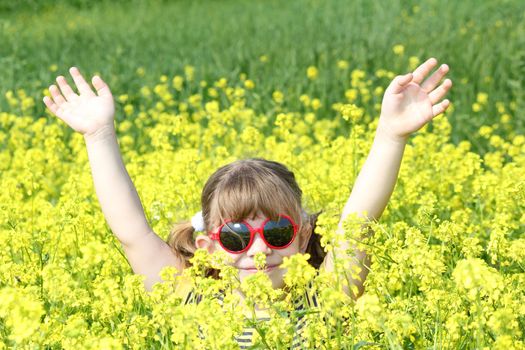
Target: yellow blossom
[
  {"x": 278, "y": 97},
  {"x": 413, "y": 62},
  {"x": 343, "y": 64},
  {"x": 177, "y": 82},
  {"x": 312, "y": 72},
  {"x": 398, "y": 49},
  {"x": 482, "y": 98},
  {"x": 316, "y": 104},
  {"x": 249, "y": 84},
  {"x": 189, "y": 72}
]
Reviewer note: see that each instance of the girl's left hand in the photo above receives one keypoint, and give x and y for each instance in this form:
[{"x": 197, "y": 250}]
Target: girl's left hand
[{"x": 408, "y": 105}]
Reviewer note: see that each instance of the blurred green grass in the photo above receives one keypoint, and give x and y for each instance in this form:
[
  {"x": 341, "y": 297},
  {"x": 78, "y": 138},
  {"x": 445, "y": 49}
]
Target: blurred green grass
[{"x": 483, "y": 42}]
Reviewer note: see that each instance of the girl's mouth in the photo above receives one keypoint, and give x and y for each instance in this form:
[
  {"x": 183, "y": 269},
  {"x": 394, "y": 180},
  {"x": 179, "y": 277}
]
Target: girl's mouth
[{"x": 269, "y": 268}]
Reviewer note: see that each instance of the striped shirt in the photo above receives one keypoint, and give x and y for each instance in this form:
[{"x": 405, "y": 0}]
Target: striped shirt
[{"x": 245, "y": 340}]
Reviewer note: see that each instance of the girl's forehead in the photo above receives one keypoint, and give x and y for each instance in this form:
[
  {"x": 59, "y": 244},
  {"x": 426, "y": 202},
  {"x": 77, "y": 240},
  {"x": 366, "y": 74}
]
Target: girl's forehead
[{"x": 254, "y": 215}]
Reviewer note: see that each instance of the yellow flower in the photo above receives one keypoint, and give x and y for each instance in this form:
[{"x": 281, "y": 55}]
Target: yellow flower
[
  {"x": 482, "y": 98},
  {"x": 22, "y": 311},
  {"x": 496, "y": 141},
  {"x": 505, "y": 118},
  {"x": 477, "y": 278},
  {"x": 263, "y": 58},
  {"x": 221, "y": 83},
  {"x": 140, "y": 71},
  {"x": 485, "y": 131},
  {"x": 195, "y": 100},
  {"x": 128, "y": 109},
  {"x": 305, "y": 100},
  {"x": 312, "y": 72},
  {"x": 145, "y": 91},
  {"x": 53, "y": 68},
  {"x": 380, "y": 73},
  {"x": 278, "y": 97},
  {"x": 501, "y": 107},
  {"x": 351, "y": 112},
  {"x": 213, "y": 92},
  {"x": 177, "y": 82},
  {"x": 123, "y": 98},
  {"x": 351, "y": 94},
  {"x": 316, "y": 104},
  {"x": 398, "y": 49},
  {"x": 260, "y": 260},
  {"x": 125, "y": 125},
  {"x": 476, "y": 107},
  {"x": 413, "y": 62},
  {"x": 298, "y": 271},
  {"x": 342, "y": 64},
  {"x": 189, "y": 72},
  {"x": 518, "y": 140},
  {"x": 357, "y": 75},
  {"x": 249, "y": 84},
  {"x": 370, "y": 310}
]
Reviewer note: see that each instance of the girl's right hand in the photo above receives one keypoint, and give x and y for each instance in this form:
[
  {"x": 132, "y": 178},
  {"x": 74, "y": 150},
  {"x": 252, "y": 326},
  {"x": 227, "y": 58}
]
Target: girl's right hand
[{"x": 85, "y": 112}]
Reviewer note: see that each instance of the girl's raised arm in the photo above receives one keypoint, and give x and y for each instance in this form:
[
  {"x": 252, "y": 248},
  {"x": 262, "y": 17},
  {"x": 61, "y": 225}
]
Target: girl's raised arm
[
  {"x": 408, "y": 104},
  {"x": 92, "y": 114}
]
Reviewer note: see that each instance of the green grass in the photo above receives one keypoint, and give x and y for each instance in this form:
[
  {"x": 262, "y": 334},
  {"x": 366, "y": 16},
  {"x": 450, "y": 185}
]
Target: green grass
[{"x": 225, "y": 38}]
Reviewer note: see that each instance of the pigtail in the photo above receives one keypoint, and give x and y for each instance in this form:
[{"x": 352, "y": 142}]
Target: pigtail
[{"x": 181, "y": 240}]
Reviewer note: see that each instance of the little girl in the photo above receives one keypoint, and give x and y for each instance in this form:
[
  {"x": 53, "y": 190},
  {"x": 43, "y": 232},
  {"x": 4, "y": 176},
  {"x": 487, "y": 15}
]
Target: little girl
[{"x": 251, "y": 205}]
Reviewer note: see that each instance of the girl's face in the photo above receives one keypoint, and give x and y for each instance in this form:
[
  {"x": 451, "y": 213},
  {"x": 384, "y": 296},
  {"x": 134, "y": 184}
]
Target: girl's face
[{"x": 245, "y": 262}]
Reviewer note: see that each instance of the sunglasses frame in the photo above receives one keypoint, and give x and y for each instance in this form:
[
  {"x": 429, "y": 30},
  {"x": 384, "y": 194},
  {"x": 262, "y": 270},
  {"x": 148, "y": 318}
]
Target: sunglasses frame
[{"x": 216, "y": 235}]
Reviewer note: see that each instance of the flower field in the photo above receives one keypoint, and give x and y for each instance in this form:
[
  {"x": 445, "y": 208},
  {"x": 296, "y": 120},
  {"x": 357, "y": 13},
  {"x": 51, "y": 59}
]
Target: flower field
[{"x": 447, "y": 256}]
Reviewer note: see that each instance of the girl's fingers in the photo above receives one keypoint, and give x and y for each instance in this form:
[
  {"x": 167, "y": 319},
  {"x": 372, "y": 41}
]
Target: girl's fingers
[
  {"x": 50, "y": 104},
  {"x": 399, "y": 82},
  {"x": 67, "y": 92},
  {"x": 82, "y": 86},
  {"x": 57, "y": 97},
  {"x": 422, "y": 71},
  {"x": 435, "y": 78},
  {"x": 440, "y": 92},
  {"x": 101, "y": 87},
  {"x": 440, "y": 107}
]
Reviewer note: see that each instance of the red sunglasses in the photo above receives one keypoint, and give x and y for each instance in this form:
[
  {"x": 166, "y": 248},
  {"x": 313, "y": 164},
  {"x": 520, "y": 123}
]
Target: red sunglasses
[{"x": 237, "y": 237}]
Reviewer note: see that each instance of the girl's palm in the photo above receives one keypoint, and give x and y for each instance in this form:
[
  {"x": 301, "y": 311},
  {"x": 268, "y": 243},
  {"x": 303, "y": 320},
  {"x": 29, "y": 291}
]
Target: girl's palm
[
  {"x": 85, "y": 112},
  {"x": 409, "y": 104}
]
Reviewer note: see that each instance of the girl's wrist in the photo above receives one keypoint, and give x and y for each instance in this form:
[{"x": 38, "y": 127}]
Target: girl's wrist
[
  {"x": 107, "y": 131},
  {"x": 384, "y": 133}
]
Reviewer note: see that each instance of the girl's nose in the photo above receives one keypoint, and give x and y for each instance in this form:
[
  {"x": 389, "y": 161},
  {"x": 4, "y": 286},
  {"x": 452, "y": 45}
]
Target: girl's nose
[{"x": 258, "y": 245}]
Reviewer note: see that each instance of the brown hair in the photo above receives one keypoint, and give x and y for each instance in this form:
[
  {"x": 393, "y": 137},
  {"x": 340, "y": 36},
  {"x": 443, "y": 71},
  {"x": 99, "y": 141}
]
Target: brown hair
[{"x": 238, "y": 190}]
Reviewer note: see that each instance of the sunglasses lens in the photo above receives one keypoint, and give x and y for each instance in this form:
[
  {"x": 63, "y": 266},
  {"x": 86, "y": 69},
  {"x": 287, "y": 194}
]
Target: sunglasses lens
[
  {"x": 235, "y": 236},
  {"x": 279, "y": 233}
]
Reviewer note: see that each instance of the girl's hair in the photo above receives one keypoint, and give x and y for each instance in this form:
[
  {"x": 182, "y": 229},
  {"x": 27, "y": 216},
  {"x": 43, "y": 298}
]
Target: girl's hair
[{"x": 237, "y": 191}]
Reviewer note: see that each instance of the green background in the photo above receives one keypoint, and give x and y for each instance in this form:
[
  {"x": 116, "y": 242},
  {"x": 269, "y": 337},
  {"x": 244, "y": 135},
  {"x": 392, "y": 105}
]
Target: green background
[{"x": 483, "y": 42}]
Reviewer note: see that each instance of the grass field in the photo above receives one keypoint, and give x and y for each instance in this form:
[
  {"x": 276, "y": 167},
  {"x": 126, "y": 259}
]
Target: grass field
[{"x": 482, "y": 42}]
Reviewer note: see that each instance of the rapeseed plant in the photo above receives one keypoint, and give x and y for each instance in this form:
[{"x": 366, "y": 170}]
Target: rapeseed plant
[{"x": 447, "y": 261}]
